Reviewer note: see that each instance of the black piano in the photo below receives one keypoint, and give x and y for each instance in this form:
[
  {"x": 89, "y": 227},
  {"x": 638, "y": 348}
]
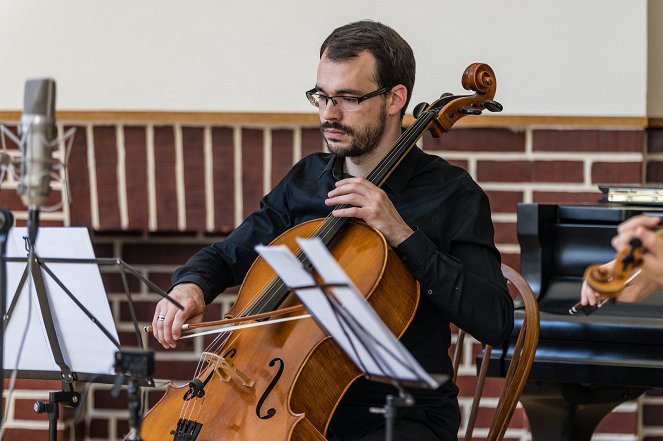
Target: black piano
[{"x": 584, "y": 365}]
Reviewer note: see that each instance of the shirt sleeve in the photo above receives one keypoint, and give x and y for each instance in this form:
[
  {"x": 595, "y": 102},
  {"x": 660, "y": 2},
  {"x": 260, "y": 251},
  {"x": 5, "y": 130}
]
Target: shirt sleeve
[
  {"x": 224, "y": 264},
  {"x": 462, "y": 275}
]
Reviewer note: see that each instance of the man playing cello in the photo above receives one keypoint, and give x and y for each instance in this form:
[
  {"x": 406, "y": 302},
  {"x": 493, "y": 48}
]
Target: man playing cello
[{"x": 431, "y": 213}]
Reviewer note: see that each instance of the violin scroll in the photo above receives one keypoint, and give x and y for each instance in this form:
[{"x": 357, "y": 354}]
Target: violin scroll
[
  {"x": 605, "y": 281},
  {"x": 610, "y": 281}
]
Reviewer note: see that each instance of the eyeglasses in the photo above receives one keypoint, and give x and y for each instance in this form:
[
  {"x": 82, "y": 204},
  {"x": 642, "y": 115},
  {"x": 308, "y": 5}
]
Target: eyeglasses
[{"x": 344, "y": 103}]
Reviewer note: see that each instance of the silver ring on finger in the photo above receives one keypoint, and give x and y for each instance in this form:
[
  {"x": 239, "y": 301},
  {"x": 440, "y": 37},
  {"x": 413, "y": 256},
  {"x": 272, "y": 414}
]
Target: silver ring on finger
[{"x": 161, "y": 318}]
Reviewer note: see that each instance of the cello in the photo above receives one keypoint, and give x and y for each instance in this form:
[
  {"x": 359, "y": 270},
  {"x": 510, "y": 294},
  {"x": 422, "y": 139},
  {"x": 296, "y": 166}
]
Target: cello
[{"x": 282, "y": 381}]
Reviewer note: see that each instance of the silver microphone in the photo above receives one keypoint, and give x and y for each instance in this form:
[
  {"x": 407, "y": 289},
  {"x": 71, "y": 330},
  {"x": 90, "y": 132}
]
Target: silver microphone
[{"x": 37, "y": 130}]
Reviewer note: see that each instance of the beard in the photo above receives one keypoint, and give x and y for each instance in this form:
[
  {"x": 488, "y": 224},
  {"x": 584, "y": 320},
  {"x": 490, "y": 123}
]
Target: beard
[{"x": 363, "y": 139}]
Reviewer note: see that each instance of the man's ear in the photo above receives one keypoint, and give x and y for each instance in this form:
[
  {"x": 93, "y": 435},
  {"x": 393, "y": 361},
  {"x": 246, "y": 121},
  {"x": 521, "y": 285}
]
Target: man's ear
[{"x": 398, "y": 99}]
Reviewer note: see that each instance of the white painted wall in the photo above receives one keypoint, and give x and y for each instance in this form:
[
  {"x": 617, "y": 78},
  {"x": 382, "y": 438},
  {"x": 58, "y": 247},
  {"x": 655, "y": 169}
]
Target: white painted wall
[
  {"x": 562, "y": 57},
  {"x": 655, "y": 65}
]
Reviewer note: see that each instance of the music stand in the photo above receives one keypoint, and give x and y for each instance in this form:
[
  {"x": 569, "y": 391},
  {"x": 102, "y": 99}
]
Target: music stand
[
  {"x": 46, "y": 319},
  {"x": 339, "y": 308}
]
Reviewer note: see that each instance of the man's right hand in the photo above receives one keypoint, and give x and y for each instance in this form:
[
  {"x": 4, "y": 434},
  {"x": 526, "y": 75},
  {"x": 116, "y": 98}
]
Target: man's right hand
[{"x": 168, "y": 319}]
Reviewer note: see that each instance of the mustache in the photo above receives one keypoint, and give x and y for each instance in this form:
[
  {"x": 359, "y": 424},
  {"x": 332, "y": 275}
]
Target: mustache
[{"x": 335, "y": 125}]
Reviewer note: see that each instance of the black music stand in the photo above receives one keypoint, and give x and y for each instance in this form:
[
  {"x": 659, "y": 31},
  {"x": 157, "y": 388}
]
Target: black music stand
[
  {"x": 342, "y": 312},
  {"x": 55, "y": 301},
  {"x": 6, "y": 222}
]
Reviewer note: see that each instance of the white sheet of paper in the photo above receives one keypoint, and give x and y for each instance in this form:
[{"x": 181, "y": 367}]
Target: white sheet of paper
[
  {"x": 85, "y": 348},
  {"x": 394, "y": 360}
]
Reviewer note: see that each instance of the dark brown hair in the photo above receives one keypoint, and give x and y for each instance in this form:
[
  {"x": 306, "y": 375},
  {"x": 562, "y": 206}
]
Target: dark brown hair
[{"x": 394, "y": 57}]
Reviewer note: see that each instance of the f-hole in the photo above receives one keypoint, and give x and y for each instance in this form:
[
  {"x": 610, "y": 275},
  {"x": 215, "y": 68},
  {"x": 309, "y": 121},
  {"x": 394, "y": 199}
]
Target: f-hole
[
  {"x": 230, "y": 354},
  {"x": 270, "y": 412}
]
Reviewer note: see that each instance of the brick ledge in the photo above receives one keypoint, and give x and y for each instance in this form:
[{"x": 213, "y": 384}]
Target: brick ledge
[{"x": 111, "y": 116}]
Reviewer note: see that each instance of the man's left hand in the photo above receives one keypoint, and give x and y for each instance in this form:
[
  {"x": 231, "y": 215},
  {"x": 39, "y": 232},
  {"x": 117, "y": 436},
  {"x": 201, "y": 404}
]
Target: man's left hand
[{"x": 371, "y": 204}]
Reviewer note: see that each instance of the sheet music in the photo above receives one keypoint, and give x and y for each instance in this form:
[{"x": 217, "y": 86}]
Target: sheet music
[
  {"x": 84, "y": 347},
  {"x": 377, "y": 341}
]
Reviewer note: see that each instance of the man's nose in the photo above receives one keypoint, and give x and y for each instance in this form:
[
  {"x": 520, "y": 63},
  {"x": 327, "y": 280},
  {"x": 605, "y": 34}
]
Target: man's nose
[{"x": 330, "y": 111}]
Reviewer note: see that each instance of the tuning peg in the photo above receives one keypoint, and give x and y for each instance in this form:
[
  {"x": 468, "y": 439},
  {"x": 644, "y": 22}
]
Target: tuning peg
[
  {"x": 446, "y": 94},
  {"x": 493, "y": 106},
  {"x": 419, "y": 108},
  {"x": 469, "y": 110}
]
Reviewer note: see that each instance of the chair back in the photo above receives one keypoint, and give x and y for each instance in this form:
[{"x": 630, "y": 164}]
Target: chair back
[{"x": 519, "y": 368}]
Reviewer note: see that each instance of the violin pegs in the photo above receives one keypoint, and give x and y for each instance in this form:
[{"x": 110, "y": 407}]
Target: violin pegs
[
  {"x": 492, "y": 106},
  {"x": 446, "y": 94}
]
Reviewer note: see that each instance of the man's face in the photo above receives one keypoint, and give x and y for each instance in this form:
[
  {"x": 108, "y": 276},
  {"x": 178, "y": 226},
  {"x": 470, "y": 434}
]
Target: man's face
[{"x": 351, "y": 133}]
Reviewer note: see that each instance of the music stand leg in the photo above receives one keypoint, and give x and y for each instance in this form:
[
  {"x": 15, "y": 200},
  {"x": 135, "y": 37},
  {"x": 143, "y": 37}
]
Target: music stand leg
[
  {"x": 6, "y": 222},
  {"x": 390, "y": 410},
  {"x": 52, "y": 408},
  {"x": 134, "y": 411}
]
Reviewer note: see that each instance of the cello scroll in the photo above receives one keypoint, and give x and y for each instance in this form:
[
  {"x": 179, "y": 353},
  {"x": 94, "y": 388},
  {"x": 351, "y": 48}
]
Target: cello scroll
[{"x": 478, "y": 77}]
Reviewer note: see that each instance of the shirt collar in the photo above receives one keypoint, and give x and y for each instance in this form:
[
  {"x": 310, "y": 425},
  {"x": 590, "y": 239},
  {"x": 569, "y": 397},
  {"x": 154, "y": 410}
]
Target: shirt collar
[
  {"x": 330, "y": 167},
  {"x": 396, "y": 182}
]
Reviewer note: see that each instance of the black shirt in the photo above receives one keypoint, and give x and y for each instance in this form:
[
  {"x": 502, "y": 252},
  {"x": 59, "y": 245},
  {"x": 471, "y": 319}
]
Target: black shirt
[{"x": 451, "y": 253}]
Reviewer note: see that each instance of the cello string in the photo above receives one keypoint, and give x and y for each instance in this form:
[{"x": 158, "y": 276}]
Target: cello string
[{"x": 190, "y": 406}]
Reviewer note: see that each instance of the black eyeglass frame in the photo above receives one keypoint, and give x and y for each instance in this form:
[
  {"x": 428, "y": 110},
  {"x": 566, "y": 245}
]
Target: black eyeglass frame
[{"x": 360, "y": 99}]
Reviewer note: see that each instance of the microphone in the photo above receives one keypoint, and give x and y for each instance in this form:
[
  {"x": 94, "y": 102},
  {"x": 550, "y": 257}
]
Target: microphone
[{"x": 37, "y": 130}]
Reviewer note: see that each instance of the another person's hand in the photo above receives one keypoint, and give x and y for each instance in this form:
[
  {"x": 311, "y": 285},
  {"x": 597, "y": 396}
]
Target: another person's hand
[
  {"x": 631, "y": 228},
  {"x": 371, "y": 204},
  {"x": 587, "y": 295},
  {"x": 168, "y": 319},
  {"x": 651, "y": 278},
  {"x": 641, "y": 227}
]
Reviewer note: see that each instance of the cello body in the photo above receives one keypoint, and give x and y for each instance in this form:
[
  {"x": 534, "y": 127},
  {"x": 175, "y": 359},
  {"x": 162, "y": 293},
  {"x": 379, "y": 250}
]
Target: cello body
[{"x": 299, "y": 374}]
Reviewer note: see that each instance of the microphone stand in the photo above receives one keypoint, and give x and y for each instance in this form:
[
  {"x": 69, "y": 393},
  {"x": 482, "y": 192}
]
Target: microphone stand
[
  {"x": 33, "y": 225},
  {"x": 6, "y": 222},
  {"x": 136, "y": 365}
]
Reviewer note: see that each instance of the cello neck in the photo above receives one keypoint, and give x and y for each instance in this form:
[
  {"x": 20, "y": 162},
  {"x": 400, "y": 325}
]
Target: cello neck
[
  {"x": 276, "y": 291},
  {"x": 333, "y": 225},
  {"x": 403, "y": 145}
]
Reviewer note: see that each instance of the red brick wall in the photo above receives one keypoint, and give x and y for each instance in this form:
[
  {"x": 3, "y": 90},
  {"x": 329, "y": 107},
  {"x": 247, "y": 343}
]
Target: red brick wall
[{"x": 155, "y": 193}]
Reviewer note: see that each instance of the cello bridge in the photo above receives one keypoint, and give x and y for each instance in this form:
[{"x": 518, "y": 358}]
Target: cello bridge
[{"x": 222, "y": 366}]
